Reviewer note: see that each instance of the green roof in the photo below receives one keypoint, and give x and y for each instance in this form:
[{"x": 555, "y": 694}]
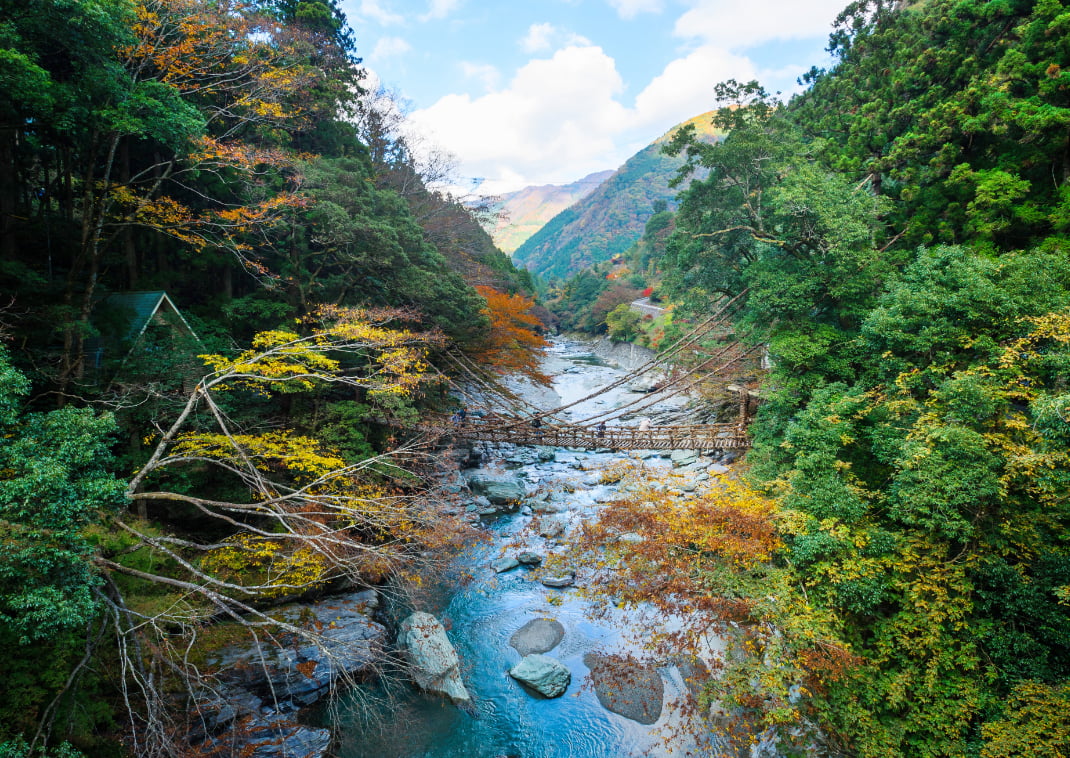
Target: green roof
[{"x": 144, "y": 306}]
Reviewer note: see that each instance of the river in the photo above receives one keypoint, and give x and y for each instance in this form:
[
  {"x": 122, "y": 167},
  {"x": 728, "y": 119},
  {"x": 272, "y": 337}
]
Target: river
[{"x": 482, "y": 614}]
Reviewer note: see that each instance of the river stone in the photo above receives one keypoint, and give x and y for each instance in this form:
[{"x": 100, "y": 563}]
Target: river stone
[
  {"x": 559, "y": 581},
  {"x": 433, "y": 661},
  {"x": 498, "y": 489},
  {"x": 537, "y": 636},
  {"x": 295, "y": 669},
  {"x": 717, "y": 468},
  {"x": 546, "y": 454},
  {"x": 550, "y": 527},
  {"x": 548, "y": 507},
  {"x": 544, "y": 674},
  {"x": 683, "y": 457},
  {"x": 626, "y": 686},
  {"x": 271, "y": 736},
  {"x": 505, "y": 563},
  {"x": 529, "y": 558}
]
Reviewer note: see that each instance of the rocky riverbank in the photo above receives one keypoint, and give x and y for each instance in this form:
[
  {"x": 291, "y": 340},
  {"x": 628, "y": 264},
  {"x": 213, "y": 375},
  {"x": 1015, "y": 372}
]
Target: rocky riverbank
[
  {"x": 515, "y": 646},
  {"x": 263, "y": 689},
  {"x": 544, "y": 675}
]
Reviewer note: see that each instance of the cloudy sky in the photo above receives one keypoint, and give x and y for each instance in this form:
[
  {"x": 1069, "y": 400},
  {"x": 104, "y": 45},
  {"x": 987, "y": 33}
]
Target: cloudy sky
[{"x": 547, "y": 91}]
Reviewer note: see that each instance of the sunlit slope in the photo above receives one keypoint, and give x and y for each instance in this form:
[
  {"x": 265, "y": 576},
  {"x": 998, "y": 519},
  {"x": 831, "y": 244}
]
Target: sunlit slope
[
  {"x": 526, "y": 211},
  {"x": 611, "y": 218}
]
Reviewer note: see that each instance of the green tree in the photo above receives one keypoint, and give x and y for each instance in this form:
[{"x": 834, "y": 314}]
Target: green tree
[{"x": 54, "y": 484}]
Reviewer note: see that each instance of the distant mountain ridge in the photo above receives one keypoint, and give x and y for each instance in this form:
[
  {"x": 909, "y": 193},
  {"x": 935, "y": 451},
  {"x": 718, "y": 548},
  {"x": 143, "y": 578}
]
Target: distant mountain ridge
[
  {"x": 612, "y": 217},
  {"x": 524, "y": 212}
]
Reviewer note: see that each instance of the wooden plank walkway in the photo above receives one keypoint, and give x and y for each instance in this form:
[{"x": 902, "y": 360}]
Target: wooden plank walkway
[{"x": 693, "y": 437}]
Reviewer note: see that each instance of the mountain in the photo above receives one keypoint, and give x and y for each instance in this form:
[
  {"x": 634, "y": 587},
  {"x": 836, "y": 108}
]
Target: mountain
[
  {"x": 524, "y": 212},
  {"x": 612, "y": 217}
]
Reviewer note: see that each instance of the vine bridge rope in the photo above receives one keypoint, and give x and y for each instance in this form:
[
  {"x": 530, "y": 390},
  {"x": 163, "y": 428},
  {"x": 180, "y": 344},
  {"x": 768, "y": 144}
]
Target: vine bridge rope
[{"x": 499, "y": 415}]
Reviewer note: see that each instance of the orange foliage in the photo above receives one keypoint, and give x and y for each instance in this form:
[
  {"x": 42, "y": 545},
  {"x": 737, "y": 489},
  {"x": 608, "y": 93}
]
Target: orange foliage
[
  {"x": 513, "y": 342},
  {"x": 674, "y": 542}
]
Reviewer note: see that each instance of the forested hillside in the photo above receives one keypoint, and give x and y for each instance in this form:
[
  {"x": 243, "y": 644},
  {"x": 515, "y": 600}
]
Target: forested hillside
[
  {"x": 610, "y": 219},
  {"x": 225, "y": 285},
  {"x": 899, "y": 235}
]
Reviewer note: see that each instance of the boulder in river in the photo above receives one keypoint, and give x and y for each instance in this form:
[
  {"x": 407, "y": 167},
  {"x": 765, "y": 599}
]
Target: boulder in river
[
  {"x": 433, "y": 661},
  {"x": 505, "y": 563},
  {"x": 547, "y": 676},
  {"x": 537, "y": 636},
  {"x": 271, "y": 736},
  {"x": 626, "y": 686},
  {"x": 559, "y": 581},
  {"x": 499, "y": 489},
  {"x": 683, "y": 457},
  {"x": 529, "y": 558},
  {"x": 546, "y": 454},
  {"x": 350, "y": 644}
]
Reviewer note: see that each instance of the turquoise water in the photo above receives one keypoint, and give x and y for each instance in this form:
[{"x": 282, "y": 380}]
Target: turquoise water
[{"x": 507, "y": 720}]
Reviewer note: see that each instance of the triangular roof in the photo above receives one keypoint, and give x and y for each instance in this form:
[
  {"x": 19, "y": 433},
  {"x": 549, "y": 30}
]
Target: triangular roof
[{"x": 145, "y": 305}]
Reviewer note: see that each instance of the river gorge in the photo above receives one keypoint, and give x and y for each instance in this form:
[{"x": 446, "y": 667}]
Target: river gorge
[{"x": 561, "y": 488}]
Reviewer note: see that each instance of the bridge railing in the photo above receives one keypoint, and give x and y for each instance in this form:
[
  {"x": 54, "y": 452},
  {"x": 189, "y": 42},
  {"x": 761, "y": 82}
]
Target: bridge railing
[{"x": 681, "y": 437}]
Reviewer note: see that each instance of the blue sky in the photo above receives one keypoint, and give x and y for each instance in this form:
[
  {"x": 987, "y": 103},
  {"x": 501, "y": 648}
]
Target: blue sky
[{"x": 528, "y": 92}]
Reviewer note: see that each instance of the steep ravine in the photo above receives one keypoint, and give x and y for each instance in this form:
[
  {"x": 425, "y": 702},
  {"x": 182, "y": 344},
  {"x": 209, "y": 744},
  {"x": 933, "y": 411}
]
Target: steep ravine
[{"x": 561, "y": 488}]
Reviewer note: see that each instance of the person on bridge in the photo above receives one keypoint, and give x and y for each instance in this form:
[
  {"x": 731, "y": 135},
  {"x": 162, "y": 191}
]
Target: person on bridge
[
  {"x": 644, "y": 425},
  {"x": 462, "y": 414},
  {"x": 600, "y": 430}
]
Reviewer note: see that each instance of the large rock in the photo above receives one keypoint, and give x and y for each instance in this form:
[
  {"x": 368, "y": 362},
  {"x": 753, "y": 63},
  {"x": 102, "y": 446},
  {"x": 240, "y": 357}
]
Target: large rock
[
  {"x": 433, "y": 661},
  {"x": 560, "y": 580},
  {"x": 505, "y": 563},
  {"x": 301, "y": 669},
  {"x": 499, "y": 489},
  {"x": 271, "y": 736},
  {"x": 626, "y": 686},
  {"x": 254, "y": 708},
  {"x": 544, "y": 674},
  {"x": 681, "y": 458},
  {"x": 537, "y": 636}
]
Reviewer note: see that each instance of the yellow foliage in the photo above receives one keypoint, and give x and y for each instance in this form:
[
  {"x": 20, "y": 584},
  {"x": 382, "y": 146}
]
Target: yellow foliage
[
  {"x": 302, "y": 457},
  {"x": 268, "y": 567}
]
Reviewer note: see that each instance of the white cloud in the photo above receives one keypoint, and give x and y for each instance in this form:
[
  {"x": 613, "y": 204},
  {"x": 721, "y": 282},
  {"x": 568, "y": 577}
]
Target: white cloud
[
  {"x": 486, "y": 74},
  {"x": 564, "y": 115},
  {"x": 538, "y": 38},
  {"x": 386, "y": 47},
  {"x": 734, "y": 25},
  {"x": 632, "y": 8},
  {"x": 556, "y": 120},
  {"x": 439, "y": 9},
  {"x": 685, "y": 87},
  {"x": 543, "y": 37},
  {"x": 373, "y": 10}
]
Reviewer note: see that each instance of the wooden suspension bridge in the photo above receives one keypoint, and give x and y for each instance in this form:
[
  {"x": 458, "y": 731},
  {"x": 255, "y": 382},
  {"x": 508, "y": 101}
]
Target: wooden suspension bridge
[
  {"x": 673, "y": 437},
  {"x": 525, "y": 424}
]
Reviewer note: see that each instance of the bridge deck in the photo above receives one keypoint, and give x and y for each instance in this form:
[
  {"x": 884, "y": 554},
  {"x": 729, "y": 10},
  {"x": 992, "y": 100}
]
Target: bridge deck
[{"x": 694, "y": 437}]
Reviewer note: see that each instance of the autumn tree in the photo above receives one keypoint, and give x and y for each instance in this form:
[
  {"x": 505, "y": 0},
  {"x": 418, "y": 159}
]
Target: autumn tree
[
  {"x": 514, "y": 340},
  {"x": 280, "y": 514},
  {"x": 702, "y": 580}
]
